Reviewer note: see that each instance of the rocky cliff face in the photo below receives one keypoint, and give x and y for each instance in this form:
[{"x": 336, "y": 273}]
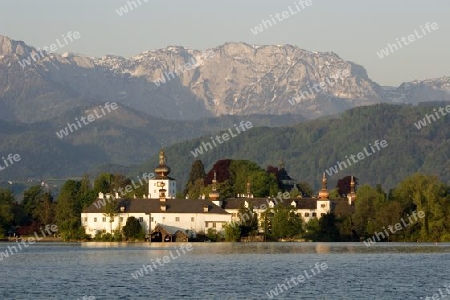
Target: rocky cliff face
[{"x": 179, "y": 83}]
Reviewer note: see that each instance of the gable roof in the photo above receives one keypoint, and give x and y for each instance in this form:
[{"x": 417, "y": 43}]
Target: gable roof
[{"x": 154, "y": 206}]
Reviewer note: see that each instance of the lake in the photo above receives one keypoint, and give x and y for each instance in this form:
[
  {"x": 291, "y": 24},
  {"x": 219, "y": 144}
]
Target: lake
[{"x": 225, "y": 271}]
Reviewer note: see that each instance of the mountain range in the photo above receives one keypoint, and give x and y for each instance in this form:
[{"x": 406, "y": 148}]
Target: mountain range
[
  {"x": 231, "y": 79},
  {"x": 169, "y": 96}
]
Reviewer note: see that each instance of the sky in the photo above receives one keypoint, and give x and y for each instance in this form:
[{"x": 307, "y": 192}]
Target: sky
[{"x": 354, "y": 29}]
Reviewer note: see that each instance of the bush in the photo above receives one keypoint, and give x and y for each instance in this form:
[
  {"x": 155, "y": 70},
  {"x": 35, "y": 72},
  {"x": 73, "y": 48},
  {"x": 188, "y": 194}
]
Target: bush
[{"x": 133, "y": 229}]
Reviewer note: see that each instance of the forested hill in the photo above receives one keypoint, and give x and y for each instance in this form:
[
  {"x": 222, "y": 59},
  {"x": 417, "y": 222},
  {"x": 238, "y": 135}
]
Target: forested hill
[{"x": 310, "y": 148}]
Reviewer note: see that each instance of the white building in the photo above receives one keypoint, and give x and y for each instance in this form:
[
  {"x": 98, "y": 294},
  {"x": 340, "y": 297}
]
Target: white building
[
  {"x": 307, "y": 208},
  {"x": 158, "y": 214}
]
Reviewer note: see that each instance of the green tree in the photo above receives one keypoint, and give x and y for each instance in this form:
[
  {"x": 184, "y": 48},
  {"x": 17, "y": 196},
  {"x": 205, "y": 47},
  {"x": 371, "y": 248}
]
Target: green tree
[
  {"x": 305, "y": 189},
  {"x": 6, "y": 212},
  {"x": 132, "y": 228},
  {"x": 369, "y": 202},
  {"x": 420, "y": 192},
  {"x": 286, "y": 223},
  {"x": 232, "y": 232},
  {"x": 196, "y": 180},
  {"x": 68, "y": 211},
  {"x": 248, "y": 220}
]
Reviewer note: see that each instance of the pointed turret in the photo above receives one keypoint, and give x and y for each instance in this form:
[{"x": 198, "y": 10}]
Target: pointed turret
[
  {"x": 162, "y": 170},
  {"x": 323, "y": 194},
  {"x": 214, "y": 195},
  {"x": 352, "y": 195},
  {"x": 249, "y": 190}
]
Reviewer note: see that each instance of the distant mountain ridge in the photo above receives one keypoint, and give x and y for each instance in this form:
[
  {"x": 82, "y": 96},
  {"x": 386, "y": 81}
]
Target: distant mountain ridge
[
  {"x": 233, "y": 79},
  {"x": 310, "y": 148}
]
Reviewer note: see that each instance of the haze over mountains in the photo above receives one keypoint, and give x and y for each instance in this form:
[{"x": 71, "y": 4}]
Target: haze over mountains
[{"x": 237, "y": 81}]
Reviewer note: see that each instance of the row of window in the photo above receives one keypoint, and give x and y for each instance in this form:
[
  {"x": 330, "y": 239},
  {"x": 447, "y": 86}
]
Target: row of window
[
  {"x": 306, "y": 215},
  {"x": 141, "y": 219}
]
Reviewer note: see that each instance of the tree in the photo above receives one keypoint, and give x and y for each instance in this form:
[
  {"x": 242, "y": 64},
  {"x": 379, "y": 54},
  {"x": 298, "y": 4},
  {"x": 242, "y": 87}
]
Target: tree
[
  {"x": 286, "y": 223},
  {"x": 232, "y": 232},
  {"x": 132, "y": 228},
  {"x": 110, "y": 211},
  {"x": 6, "y": 214},
  {"x": 421, "y": 192},
  {"x": 68, "y": 211},
  {"x": 196, "y": 180},
  {"x": 369, "y": 202},
  {"x": 305, "y": 188},
  {"x": 248, "y": 220},
  {"x": 343, "y": 185},
  {"x": 87, "y": 195}
]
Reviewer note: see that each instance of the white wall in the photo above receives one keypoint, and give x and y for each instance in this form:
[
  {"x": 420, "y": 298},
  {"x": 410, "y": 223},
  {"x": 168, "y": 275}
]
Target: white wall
[
  {"x": 149, "y": 221},
  {"x": 170, "y": 187}
]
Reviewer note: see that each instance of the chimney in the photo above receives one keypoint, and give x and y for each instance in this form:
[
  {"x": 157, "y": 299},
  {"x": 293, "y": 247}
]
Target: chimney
[
  {"x": 163, "y": 207},
  {"x": 206, "y": 208}
]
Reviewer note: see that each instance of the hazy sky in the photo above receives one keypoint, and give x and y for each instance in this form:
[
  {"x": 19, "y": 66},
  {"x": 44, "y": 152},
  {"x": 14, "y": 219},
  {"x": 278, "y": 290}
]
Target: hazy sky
[{"x": 354, "y": 29}]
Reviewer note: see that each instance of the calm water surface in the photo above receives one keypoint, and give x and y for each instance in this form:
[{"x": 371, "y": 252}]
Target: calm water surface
[{"x": 225, "y": 271}]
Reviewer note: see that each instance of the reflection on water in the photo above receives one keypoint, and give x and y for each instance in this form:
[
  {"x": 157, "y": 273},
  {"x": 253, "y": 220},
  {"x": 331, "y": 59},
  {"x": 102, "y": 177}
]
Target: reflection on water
[{"x": 224, "y": 271}]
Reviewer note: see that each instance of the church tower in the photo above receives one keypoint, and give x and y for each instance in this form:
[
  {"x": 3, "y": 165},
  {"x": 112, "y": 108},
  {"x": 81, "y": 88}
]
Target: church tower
[
  {"x": 352, "y": 196},
  {"x": 323, "y": 194},
  {"x": 162, "y": 179},
  {"x": 323, "y": 203},
  {"x": 214, "y": 194}
]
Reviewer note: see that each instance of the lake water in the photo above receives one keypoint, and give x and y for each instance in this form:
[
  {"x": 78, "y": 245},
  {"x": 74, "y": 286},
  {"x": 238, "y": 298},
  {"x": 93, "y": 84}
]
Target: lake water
[{"x": 225, "y": 271}]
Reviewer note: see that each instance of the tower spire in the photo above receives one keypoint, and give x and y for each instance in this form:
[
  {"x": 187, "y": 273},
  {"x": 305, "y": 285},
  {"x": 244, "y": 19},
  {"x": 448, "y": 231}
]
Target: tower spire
[
  {"x": 352, "y": 196},
  {"x": 214, "y": 195},
  {"x": 162, "y": 170},
  {"x": 323, "y": 194},
  {"x": 249, "y": 190}
]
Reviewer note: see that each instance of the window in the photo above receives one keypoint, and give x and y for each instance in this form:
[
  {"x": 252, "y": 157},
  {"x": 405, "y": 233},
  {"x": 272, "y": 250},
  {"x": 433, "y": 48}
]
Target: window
[
  {"x": 214, "y": 225},
  {"x": 306, "y": 214},
  {"x": 104, "y": 219},
  {"x": 141, "y": 219},
  {"x": 95, "y": 219},
  {"x": 85, "y": 219},
  {"x": 299, "y": 214},
  {"x": 323, "y": 205},
  {"x": 121, "y": 219},
  {"x": 314, "y": 215},
  {"x": 111, "y": 219},
  {"x": 177, "y": 219},
  {"x": 192, "y": 219},
  {"x": 153, "y": 219}
]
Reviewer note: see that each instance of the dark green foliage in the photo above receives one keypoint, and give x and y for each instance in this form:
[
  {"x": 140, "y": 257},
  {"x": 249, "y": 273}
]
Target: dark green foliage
[
  {"x": 309, "y": 148},
  {"x": 132, "y": 228},
  {"x": 285, "y": 223},
  {"x": 121, "y": 139},
  {"x": 324, "y": 229},
  {"x": 233, "y": 176},
  {"x": 232, "y": 232},
  {"x": 196, "y": 180},
  {"x": 248, "y": 221}
]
